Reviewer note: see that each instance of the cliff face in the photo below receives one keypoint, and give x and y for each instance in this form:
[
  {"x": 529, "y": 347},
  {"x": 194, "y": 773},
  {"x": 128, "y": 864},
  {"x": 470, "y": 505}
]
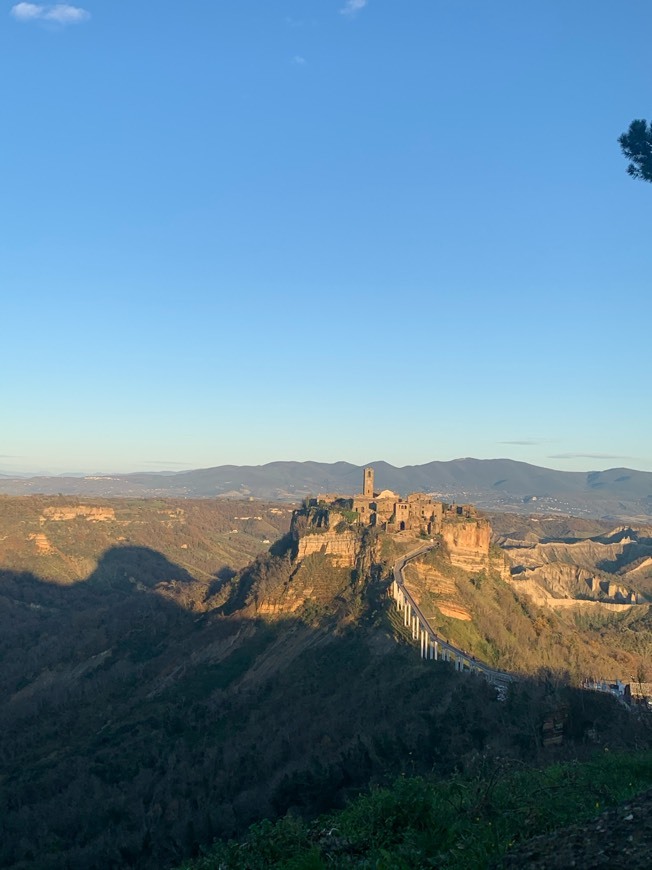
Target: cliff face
[
  {"x": 343, "y": 547},
  {"x": 332, "y": 553},
  {"x": 86, "y": 512},
  {"x": 608, "y": 552},
  {"x": 328, "y": 561},
  {"x": 599, "y": 568},
  {"x": 565, "y": 581},
  {"x": 468, "y": 543}
]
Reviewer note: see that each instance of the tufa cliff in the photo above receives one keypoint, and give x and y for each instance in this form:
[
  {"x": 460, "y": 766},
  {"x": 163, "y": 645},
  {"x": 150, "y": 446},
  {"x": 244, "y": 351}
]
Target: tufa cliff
[
  {"x": 468, "y": 542},
  {"x": 330, "y": 554},
  {"x": 612, "y": 569}
]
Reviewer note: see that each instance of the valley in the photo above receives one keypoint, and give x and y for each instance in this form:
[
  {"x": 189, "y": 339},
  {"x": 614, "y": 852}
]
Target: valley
[
  {"x": 63, "y": 539},
  {"x": 174, "y": 670},
  {"x": 325, "y": 489}
]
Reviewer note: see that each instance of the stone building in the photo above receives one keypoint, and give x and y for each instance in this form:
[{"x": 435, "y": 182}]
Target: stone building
[
  {"x": 466, "y": 536},
  {"x": 388, "y": 510},
  {"x": 368, "y": 483}
]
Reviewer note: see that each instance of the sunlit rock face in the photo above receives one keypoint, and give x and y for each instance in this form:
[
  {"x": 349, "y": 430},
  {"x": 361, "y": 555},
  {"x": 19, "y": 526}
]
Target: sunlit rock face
[{"x": 468, "y": 543}]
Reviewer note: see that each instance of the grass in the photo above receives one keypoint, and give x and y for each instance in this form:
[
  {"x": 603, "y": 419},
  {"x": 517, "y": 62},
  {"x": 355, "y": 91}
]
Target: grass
[{"x": 459, "y": 824}]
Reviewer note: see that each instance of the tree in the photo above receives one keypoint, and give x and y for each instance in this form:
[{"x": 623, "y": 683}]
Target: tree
[{"x": 636, "y": 145}]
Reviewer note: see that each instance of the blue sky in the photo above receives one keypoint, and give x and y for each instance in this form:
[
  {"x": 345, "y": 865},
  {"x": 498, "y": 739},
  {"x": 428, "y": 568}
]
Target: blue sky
[{"x": 234, "y": 231}]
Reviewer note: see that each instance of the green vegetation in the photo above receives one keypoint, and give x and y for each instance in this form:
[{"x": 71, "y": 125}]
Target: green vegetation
[
  {"x": 64, "y": 539},
  {"x": 463, "y": 823},
  {"x": 512, "y": 632},
  {"x": 150, "y": 712},
  {"x": 350, "y": 516},
  {"x": 636, "y": 145},
  {"x": 350, "y": 519}
]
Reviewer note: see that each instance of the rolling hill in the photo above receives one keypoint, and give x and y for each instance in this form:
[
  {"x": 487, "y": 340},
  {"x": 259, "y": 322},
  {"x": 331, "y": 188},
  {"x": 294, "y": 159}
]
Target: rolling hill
[{"x": 491, "y": 484}]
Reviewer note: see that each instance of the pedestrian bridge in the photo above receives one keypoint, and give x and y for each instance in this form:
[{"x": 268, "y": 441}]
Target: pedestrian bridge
[{"x": 432, "y": 646}]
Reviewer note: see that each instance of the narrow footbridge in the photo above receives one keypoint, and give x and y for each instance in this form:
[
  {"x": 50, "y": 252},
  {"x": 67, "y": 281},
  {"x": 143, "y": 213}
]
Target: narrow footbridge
[{"x": 432, "y": 646}]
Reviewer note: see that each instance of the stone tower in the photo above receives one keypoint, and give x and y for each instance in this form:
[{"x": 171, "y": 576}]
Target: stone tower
[{"x": 368, "y": 483}]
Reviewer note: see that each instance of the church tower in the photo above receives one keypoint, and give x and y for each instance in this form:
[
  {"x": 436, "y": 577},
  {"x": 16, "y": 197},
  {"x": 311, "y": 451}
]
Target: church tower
[{"x": 368, "y": 483}]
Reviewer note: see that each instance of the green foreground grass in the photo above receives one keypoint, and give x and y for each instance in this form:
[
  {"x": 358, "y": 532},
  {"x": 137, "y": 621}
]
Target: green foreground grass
[{"x": 458, "y": 824}]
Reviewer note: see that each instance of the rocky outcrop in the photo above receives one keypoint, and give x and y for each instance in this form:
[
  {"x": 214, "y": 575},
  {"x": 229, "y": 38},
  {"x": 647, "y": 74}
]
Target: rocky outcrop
[
  {"x": 614, "y": 591},
  {"x": 43, "y": 546},
  {"x": 641, "y": 566},
  {"x": 343, "y": 547},
  {"x": 430, "y": 588},
  {"x": 610, "y": 552},
  {"x": 468, "y": 543},
  {"x": 583, "y": 569},
  {"x": 540, "y": 595},
  {"x": 563, "y": 581},
  {"x": 86, "y": 512}
]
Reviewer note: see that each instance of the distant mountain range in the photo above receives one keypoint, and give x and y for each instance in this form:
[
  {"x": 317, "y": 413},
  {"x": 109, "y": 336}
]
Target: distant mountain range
[{"x": 492, "y": 484}]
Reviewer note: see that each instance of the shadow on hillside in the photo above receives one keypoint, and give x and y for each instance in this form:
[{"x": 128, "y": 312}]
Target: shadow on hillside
[
  {"x": 135, "y": 730},
  {"x": 130, "y": 607},
  {"x": 120, "y": 572}
]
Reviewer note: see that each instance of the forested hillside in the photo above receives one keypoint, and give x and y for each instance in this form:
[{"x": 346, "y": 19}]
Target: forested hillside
[
  {"x": 64, "y": 539},
  {"x": 150, "y": 709}
]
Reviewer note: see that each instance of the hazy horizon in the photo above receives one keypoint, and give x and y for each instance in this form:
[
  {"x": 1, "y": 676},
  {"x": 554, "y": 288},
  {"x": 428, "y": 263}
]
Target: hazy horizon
[{"x": 168, "y": 469}]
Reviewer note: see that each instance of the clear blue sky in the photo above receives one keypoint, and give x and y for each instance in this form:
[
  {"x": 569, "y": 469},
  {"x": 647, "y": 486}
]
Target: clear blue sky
[{"x": 234, "y": 231}]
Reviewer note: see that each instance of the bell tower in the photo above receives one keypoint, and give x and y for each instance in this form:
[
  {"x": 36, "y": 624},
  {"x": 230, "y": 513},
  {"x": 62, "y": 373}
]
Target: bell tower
[{"x": 368, "y": 483}]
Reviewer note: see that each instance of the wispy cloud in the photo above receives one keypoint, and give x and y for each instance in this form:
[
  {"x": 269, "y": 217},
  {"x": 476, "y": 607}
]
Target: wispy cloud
[
  {"x": 524, "y": 443},
  {"x": 298, "y": 60},
  {"x": 59, "y": 13},
  {"x": 587, "y": 456},
  {"x": 352, "y": 7}
]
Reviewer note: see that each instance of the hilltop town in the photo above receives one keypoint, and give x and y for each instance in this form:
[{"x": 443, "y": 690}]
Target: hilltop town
[
  {"x": 332, "y": 518},
  {"x": 418, "y": 512}
]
